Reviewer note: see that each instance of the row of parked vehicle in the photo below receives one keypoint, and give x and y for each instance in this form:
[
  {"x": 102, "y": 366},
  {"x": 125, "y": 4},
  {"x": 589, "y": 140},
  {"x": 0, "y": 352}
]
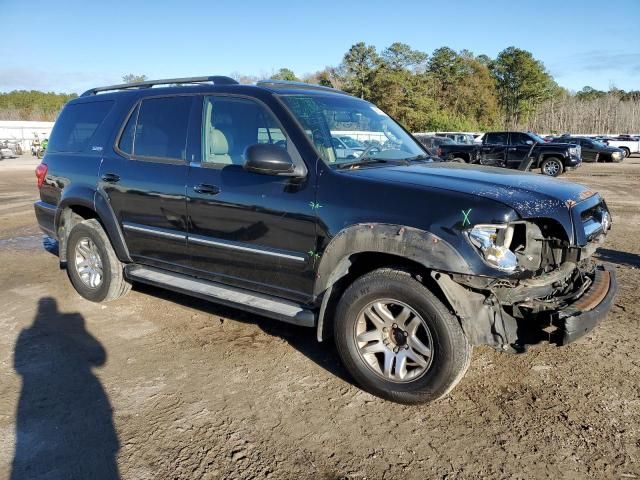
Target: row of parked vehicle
[
  {"x": 9, "y": 149},
  {"x": 525, "y": 150},
  {"x": 628, "y": 144}
]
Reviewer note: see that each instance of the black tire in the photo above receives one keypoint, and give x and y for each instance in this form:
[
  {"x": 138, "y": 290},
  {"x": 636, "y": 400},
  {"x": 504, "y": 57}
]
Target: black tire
[
  {"x": 458, "y": 160},
  {"x": 627, "y": 152},
  {"x": 113, "y": 283},
  {"x": 451, "y": 352},
  {"x": 552, "y": 167}
]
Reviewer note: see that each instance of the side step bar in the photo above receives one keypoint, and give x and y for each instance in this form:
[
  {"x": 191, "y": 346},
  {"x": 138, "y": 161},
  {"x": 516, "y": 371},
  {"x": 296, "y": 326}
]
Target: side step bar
[{"x": 260, "y": 304}]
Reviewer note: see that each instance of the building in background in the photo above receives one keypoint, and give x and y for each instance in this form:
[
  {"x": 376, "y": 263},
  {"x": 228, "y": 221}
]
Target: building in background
[{"x": 24, "y": 132}]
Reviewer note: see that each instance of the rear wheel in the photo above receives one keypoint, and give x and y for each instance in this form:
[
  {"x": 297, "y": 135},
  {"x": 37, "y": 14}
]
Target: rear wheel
[
  {"x": 92, "y": 264},
  {"x": 398, "y": 340},
  {"x": 627, "y": 152},
  {"x": 552, "y": 167}
]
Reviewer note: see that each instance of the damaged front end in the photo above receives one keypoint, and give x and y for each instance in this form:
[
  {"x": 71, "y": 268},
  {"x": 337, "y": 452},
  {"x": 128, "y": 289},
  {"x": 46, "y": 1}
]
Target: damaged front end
[{"x": 555, "y": 291}]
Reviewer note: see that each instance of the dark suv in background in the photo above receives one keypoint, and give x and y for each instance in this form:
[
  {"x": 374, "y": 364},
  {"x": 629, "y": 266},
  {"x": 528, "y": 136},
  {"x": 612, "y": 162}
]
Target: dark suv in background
[
  {"x": 594, "y": 150},
  {"x": 235, "y": 193}
]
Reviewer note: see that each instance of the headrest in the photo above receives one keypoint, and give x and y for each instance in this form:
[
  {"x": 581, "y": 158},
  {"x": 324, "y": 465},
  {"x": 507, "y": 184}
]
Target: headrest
[{"x": 219, "y": 143}]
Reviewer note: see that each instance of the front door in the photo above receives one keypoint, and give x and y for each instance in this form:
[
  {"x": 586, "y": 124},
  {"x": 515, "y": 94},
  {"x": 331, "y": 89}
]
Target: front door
[
  {"x": 518, "y": 150},
  {"x": 145, "y": 178},
  {"x": 494, "y": 148},
  {"x": 250, "y": 230},
  {"x": 589, "y": 150}
]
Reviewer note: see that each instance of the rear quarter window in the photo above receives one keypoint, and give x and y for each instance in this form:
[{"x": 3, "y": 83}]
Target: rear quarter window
[{"x": 77, "y": 125}]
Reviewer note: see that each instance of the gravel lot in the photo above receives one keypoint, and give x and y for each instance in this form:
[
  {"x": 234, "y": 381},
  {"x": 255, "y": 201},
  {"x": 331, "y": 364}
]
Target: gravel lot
[{"x": 158, "y": 385}]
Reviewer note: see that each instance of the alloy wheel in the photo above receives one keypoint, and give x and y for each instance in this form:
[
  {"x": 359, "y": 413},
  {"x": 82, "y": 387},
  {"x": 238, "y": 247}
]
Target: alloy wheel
[
  {"x": 88, "y": 263},
  {"x": 394, "y": 340}
]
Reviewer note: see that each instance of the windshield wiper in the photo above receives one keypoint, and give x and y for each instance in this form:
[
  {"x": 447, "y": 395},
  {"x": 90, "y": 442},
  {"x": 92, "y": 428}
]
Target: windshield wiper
[
  {"x": 421, "y": 156},
  {"x": 361, "y": 161}
]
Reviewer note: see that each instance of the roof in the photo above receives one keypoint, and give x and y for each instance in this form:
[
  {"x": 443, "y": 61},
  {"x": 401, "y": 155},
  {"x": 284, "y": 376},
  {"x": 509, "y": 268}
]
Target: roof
[{"x": 204, "y": 84}]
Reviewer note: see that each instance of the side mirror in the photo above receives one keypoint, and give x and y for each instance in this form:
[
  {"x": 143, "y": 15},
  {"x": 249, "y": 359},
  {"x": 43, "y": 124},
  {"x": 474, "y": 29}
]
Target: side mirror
[{"x": 267, "y": 159}]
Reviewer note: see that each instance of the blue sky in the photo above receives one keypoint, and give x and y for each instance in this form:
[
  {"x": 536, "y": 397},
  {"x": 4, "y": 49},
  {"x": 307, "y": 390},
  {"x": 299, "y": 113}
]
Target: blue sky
[{"x": 73, "y": 45}]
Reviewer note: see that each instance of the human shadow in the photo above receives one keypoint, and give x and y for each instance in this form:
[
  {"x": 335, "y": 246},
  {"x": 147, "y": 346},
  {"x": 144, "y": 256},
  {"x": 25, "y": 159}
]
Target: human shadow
[
  {"x": 64, "y": 423},
  {"x": 618, "y": 257},
  {"x": 302, "y": 339}
]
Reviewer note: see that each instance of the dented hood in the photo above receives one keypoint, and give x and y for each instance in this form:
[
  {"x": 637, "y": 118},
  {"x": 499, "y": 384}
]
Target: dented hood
[{"x": 529, "y": 194}]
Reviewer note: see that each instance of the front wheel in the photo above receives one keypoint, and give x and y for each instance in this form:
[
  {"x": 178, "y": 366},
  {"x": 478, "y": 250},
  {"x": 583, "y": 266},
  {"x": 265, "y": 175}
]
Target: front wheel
[
  {"x": 552, "y": 167},
  {"x": 398, "y": 340}
]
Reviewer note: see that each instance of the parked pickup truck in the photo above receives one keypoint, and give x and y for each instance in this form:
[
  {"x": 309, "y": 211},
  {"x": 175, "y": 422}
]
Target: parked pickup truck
[
  {"x": 235, "y": 194},
  {"x": 448, "y": 150},
  {"x": 626, "y": 143},
  {"x": 526, "y": 151}
]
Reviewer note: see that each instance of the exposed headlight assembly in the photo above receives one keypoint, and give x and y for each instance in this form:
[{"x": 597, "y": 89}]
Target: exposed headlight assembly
[{"x": 493, "y": 242}]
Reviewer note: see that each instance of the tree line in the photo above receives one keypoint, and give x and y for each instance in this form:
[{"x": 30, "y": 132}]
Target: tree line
[
  {"x": 445, "y": 90},
  {"x": 32, "y": 105}
]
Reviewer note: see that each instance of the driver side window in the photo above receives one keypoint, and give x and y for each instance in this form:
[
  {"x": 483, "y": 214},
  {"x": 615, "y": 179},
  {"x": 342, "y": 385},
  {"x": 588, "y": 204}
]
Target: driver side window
[{"x": 231, "y": 124}]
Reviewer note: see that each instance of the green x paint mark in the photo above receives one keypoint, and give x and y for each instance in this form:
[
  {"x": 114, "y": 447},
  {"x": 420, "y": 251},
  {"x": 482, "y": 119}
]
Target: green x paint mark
[
  {"x": 315, "y": 206},
  {"x": 314, "y": 255},
  {"x": 465, "y": 217}
]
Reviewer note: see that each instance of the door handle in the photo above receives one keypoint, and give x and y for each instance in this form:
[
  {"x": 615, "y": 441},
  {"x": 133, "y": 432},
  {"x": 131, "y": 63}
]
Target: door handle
[
  {"x": 111, "y": 177},
  {"x": 511, "y": 149},
  {"x": 206, "y": 189}
]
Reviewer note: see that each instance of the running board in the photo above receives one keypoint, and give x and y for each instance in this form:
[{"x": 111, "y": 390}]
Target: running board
[{"x": 260, "y": 304}]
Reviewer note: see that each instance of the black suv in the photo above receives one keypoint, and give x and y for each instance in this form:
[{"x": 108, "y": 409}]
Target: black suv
[
  {"x": 594, "y": 150},
  {"x": 235, "y": 193}
]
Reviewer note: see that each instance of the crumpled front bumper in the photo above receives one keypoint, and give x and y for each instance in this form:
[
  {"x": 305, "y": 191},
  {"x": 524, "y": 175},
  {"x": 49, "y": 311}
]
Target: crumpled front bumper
[{"x": 587, "y": 312}]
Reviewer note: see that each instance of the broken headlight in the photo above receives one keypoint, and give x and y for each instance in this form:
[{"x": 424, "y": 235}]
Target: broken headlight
[{"x": 493, "y": 243}]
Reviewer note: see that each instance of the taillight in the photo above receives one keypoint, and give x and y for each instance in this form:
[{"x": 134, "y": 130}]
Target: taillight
[{"x": 41, "y": 173}]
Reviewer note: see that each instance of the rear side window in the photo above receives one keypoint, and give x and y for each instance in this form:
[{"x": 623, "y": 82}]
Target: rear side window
[
  {"x": 518, "y": 138},
  {"x": 126, "y": 139},
  {"x": 77, "y": 125},
  {"x": 161, "y": 128}
]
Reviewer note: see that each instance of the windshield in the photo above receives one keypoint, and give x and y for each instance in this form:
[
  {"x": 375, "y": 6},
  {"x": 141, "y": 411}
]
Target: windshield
[{"x": 325, "y": 117}]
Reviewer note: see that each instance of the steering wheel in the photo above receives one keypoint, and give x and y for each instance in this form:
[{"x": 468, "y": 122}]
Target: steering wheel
[{"x": 370, "y": 149}]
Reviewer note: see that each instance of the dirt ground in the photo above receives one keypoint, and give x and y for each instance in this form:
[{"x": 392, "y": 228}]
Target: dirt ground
[{"x": 158, "y": 385}]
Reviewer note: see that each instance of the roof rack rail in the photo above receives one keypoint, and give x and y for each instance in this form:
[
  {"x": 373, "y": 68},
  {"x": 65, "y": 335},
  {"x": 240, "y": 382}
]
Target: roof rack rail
[
  {"x": 291, "y": 84},
  {"x": 216, "y": 80}
]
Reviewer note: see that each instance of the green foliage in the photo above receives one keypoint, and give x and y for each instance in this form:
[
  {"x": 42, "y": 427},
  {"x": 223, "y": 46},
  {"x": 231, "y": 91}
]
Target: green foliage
[
  {"x": 285, "y": 74},
  {"x": 523, "y": 84},
  {"x": 133, "y": 78},
  {"x": 359, "y": 67},
  {"x": 32, "y": 105}
]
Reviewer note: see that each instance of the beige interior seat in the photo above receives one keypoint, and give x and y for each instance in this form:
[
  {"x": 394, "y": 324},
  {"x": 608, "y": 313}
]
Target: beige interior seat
[{"x": 218, "y": 148}]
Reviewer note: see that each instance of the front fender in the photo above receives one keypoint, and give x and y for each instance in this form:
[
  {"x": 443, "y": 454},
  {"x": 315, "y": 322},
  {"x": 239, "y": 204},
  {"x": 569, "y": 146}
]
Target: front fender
[{"x": 414, "y": 244}]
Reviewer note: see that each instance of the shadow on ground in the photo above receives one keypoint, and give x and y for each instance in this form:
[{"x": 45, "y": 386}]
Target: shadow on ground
[
  {"x": 620, "y": 258},
  {"x": 302, "y": 339},
  {"x": 64, "y": 424}
]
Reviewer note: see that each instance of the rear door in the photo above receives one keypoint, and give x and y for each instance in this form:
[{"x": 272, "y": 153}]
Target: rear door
[
  {"x": 246, "y": 229},
  {"x": 145, "y": 177},
  {"x": 494, "y": 148}
]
